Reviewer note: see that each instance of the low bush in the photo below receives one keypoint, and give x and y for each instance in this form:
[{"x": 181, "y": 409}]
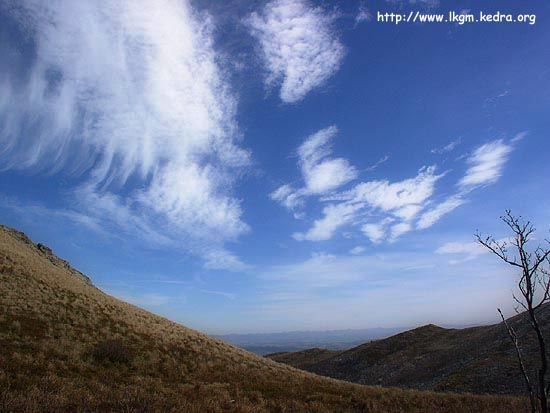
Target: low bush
[{"x": 112, "y": 350}]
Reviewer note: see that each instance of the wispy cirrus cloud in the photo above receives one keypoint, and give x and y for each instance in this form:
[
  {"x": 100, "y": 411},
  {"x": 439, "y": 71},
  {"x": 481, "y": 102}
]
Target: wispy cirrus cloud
[
  {"x": 467, "y": 248},
  {"x": 465, "y": 251},
  {"x": 430, "y": 217},
  {"x": 358, "y": 250},
  {"x": 134, "y": 102},
  {"x": 471, "y": 248},
  {"x": 221, "y": 259},
  {"x": 299, "y": 46},
  {"x": 447, "y": 148},
  {"x": 486, "y": 164},
  {"x": 385, "y": 210},
  {"x": 321, "y": 172},
  {"x": 334, "y": 217},
  {"x": 397, "y": 197},
  {"x": 519, "y": 136},
  {"x": 376, "y": 231},
  {"x": 394, "y": 203},
  {"x": 287, "y": 196},
  {"x": 379, "y": 162}
]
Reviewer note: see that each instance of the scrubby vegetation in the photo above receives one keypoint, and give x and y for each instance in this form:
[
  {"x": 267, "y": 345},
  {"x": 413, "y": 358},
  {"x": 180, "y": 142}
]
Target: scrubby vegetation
[
  {"x": 476, "y": 360},
  {"x": 68, "y": 347},
  {"x": 113, "y": 351}
]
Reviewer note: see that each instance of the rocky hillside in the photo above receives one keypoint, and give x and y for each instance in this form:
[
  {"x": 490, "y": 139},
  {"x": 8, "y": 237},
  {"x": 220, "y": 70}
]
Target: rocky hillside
[
  {"x": 477, "y": 360},
  {"x": 68, "y": 347}
]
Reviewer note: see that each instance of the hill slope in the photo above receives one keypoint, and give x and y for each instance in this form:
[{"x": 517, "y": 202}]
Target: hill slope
[
  {"x": 67, "y": 346},
  {"x": 476, "y": 360}
]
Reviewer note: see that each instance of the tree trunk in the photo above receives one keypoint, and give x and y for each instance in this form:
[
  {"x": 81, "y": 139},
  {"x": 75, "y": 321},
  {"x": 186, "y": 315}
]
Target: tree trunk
[{"x": 543, "y": 396}]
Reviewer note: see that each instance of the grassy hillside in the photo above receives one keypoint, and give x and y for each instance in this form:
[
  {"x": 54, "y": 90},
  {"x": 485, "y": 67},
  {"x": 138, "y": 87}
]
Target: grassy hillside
[
  {"x": 478, "y": 360},
  {"x": 305, "y": 359},
  {"x": 67, "y": 346}
]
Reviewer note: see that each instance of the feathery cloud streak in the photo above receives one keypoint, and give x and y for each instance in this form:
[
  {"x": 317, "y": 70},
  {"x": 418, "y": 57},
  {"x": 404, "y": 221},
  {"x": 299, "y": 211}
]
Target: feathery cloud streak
[
  {"x": 321, "y": 172},
  {"x": 486, "y": 164},
  {"x": 132, "y": 98},
  {"x": 383, "y": 210}
]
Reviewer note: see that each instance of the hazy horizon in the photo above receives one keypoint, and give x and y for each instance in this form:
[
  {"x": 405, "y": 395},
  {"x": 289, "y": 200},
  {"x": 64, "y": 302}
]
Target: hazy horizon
[{"x": 287, "y": 165}]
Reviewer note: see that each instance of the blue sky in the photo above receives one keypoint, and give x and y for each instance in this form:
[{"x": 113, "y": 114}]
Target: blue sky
[{"x": 275, "y": 166}]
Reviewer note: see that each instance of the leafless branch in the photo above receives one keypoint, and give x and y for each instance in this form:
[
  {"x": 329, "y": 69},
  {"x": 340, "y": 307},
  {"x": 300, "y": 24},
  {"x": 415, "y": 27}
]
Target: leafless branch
[
  {"x": 534, "y": 286},
  {"x": 515, "y": 342}
]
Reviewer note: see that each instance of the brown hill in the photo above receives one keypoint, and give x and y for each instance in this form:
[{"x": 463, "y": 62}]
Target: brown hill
[
  {"x": 68, "y": 347},
  {"x": 477, "y": 360}
]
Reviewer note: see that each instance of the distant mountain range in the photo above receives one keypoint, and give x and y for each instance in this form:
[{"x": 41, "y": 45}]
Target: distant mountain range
[
  {"x": 265, "y": 343},
  {"x": 476, "y": 360}
]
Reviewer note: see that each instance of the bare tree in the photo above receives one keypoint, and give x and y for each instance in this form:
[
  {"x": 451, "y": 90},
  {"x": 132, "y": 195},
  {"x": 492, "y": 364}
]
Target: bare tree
[{"x": 534, "y": 287}]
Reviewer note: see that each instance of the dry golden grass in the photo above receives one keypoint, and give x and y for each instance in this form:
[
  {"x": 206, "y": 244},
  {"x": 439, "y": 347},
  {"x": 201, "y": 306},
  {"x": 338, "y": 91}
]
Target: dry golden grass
[{"x": 68, "y": 347}]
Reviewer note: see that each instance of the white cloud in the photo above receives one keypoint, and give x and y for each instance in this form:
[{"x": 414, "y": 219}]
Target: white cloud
[
  {"x": 519, "y": 136},
  {"x": 397, "y": 202},
  {"x": 300, "y": 48},
  {"x": 317, "y": 146},
  {"x": 467, "y": 251},
  {"x": 138, "y": 94},
  {"x": 328, "y": 175},
  {"x": 430, "y": 217},
  {"x": 335, "y": 216},
  {"x": 468, "y": 248},
  {"x": 384, "y": 210},
  {"x": 399, "y": 229},
  {"x": 447, "y": 148},
  {"x": 492, "y": 100},
  {"x": 110, "y": 211},
  {"x": 486, "y": 164},
  {"x": 358, "y": 250},
  {"x": 35, "y": 211},
  {"x": 287, "y": 196},
  {"x": 376, "y": 232},
  {"x": 378, "y": 163},
  {"x": 320, "y": 172},
  {"x": 408, "y": 212},
  {"x": 221, "y": 259},
  {"x": 388, "y": 196},
  {"x": 187, "y": 196}
]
